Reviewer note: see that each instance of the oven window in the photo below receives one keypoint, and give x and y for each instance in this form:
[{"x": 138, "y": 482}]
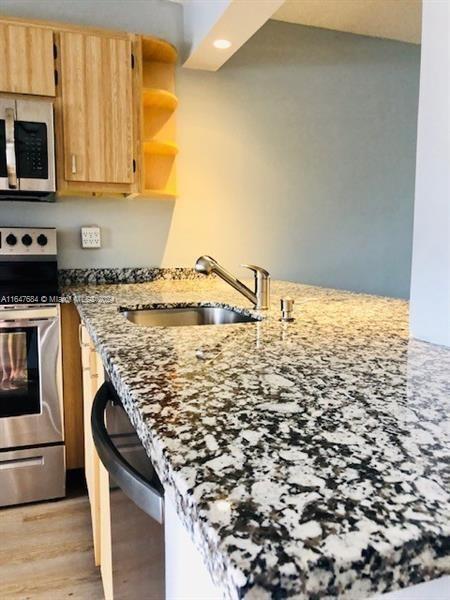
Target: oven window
[{"x": 19, "y": 372}]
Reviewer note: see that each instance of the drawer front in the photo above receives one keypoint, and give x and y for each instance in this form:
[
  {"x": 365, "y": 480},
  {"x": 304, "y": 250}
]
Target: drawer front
[{"x": 32, "y": 474}]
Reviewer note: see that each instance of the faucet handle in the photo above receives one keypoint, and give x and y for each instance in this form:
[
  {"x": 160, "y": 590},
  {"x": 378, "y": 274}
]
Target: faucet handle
[
  {"x": 257, "y": 270},
  {"x": 262, "y": 286}
]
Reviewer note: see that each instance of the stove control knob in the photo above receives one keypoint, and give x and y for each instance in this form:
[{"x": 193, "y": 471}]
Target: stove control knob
[
  {"x": 42, "y": 240},
  {"x": 11, "y": 239},
  {"x": 27, "y": 240}
]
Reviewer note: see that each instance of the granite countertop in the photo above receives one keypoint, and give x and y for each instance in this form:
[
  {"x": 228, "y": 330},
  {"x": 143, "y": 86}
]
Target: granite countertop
[{"x": 307, "y": 459}]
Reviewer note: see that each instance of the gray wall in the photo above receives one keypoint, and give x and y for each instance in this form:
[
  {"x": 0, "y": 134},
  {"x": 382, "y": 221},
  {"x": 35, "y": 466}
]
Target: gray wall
[
  {"x": 298, "y": 155},
  {"x": 155, "y": 17}
]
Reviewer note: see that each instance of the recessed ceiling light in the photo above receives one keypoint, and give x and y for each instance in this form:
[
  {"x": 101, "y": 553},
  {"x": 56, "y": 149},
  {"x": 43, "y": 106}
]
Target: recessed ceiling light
[{"x": 222, "y": 44}]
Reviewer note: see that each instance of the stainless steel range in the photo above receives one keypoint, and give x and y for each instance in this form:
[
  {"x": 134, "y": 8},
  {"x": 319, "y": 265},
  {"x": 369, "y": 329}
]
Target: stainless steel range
[{"x": 32, "y": 456}]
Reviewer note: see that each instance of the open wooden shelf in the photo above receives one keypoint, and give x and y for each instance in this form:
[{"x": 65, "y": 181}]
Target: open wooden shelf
[
  {"x": 158, "y": 105},
  {"x": 157, "y": 50},
  {"x": 160, "y": 147},
  {"x": 160, "y": 172},
  {"x": 158, "y": 98}
]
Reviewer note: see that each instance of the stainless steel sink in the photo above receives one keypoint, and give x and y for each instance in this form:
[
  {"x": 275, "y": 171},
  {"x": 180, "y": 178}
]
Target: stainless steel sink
[{"x": 183, "y": 316}]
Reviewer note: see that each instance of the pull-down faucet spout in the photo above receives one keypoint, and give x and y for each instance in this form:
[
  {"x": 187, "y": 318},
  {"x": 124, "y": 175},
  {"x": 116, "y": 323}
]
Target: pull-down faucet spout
[{"x": 260, "y": 297}]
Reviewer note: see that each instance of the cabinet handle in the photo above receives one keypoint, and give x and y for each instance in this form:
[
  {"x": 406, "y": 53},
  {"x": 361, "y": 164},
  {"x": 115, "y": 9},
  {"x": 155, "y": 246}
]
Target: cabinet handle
[
  {"x": 74, "y": 163},
  {"x": 80, "y": 337}
]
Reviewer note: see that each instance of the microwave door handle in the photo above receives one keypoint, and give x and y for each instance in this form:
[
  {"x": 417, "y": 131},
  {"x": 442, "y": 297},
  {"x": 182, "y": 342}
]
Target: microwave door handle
[
  {"x": 10, "y": 149},
  {"x": 148, "y": 497}
]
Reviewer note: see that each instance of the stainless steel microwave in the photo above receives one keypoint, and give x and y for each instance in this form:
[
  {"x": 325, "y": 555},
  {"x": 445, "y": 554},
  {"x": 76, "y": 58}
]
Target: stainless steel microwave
[{"x": 27, "y": 149}]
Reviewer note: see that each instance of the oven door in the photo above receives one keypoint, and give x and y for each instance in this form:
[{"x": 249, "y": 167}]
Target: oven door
[{"x": 30, "y": 377}]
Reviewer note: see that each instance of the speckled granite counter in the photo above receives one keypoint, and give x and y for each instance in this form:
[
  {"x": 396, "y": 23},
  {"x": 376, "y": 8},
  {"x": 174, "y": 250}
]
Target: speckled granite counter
[{"x": 308, "y": 459}]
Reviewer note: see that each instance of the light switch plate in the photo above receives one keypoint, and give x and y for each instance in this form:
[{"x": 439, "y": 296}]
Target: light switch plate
[{"x": 91, "y": 237}]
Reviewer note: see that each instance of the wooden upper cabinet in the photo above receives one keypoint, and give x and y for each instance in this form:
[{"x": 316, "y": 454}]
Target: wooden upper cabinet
[
  {"x": 26, "y": 60},
  {"x": 97, "y": 108}
]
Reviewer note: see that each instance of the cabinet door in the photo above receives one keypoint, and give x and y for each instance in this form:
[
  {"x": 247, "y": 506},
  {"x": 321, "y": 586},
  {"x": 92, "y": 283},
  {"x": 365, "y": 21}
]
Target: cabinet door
[
  {"x": 26, "y": 59},
  {"x": 72, "y": 394},
  {"x": 91, "y": 376},
  {"x": 105, "y": 533},
  {"x": 96, "y": 79}
]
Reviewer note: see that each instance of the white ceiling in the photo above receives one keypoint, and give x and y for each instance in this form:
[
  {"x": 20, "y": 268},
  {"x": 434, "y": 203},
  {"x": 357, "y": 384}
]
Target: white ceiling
[
  {"x": 233, "y": 20},
  {"x": 392, "y": 19}
]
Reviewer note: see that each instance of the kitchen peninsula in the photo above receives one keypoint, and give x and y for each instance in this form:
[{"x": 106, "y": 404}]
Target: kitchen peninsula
[{"x": 306, "y": 459}]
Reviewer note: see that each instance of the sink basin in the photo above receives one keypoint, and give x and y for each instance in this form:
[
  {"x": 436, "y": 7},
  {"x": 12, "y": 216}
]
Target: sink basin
[{"x": 182, "y": 316}]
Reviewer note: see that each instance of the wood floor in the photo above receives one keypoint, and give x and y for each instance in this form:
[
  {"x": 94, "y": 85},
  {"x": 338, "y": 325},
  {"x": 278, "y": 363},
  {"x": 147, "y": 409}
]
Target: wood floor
[{"x": 46, "y": 552}]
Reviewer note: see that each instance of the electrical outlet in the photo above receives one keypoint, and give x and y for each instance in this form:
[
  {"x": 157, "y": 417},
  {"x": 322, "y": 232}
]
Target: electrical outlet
[{"x": 90, "y": 237}]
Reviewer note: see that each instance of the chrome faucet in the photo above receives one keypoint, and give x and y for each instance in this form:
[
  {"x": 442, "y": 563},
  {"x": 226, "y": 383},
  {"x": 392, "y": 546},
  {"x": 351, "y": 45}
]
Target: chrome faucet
[{"x": 260, "y": 297}]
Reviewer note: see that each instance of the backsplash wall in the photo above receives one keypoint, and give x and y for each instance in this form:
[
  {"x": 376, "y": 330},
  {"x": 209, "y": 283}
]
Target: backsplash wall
[{"x": 298, "y": 155}]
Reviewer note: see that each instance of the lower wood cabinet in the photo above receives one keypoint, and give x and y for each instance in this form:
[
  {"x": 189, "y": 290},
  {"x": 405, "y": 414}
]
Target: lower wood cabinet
[
  {"x": 97, "y": 478},
  {"x": 105, "y": 534},
  {"x": 72, "y": 392}
]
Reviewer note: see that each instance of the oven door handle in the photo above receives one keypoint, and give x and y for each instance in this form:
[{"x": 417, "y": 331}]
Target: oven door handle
[
  {"x": 26, "y": 322},
  {"x": 10, "y": 149},
  {"x": 149, "y": 498},
  {"x": 26, "y": 314}
]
